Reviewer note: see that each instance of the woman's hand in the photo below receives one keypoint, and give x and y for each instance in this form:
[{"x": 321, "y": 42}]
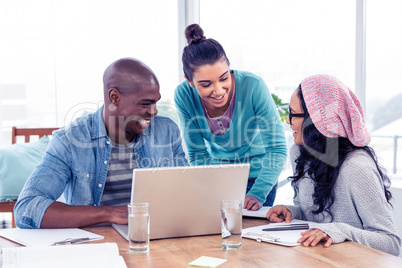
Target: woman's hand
[
  {"x": 251, "y": 203},
  {"x": 279, "y": 214},
  {"x": 312, "y": 237}
]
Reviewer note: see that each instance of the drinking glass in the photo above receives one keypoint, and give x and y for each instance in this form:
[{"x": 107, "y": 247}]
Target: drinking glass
[
  {"x": 231, "y": 224},
  {"x": 138, "y": 227}
]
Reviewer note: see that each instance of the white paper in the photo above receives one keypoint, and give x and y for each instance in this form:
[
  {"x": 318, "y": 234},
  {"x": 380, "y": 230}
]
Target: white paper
[
  {"x": 204, "y": 261},
  {"x": 77, "y": 256},
  {"x": 286, "y": 238},
  {"x": 45, "y": 237},
  {"x": 98, "y": 262},
  {"x": 257, "y": 213}
]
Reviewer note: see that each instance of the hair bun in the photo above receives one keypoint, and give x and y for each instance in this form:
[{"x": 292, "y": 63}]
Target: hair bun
[{"x": 194, "y": 34}]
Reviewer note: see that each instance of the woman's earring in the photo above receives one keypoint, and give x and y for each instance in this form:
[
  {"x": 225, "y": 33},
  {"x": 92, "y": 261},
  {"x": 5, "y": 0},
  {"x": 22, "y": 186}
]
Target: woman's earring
[{"x": 112, "y": 107}]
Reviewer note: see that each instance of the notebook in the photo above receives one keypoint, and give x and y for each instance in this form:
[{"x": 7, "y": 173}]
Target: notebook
[
  {"x": 47, "y": 237},
  {"x": 284, "y": 234},
  {"x": 260, "y": 213},
  {"x": 185, "y": 201}
]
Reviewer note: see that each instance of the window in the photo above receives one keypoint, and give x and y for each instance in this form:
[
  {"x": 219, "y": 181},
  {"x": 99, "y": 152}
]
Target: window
[
  {"x": 384, "y": 81},
  {"x": 284, "y": 41},
  {"x": 53, "y": 54}
]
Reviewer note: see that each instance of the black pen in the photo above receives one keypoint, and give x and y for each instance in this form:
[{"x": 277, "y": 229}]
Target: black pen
[{"x": 294, "y": 226}]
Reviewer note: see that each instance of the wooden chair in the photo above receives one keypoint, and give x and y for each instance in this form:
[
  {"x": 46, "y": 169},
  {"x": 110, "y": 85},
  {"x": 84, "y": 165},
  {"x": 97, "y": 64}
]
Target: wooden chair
[
  {"x": 28, "y": 132},
  {"x": 8, "y": 206}
]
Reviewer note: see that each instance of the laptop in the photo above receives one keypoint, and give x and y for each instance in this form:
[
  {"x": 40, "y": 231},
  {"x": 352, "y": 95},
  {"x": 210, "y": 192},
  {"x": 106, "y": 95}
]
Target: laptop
[{"x": 185, "y": 201}]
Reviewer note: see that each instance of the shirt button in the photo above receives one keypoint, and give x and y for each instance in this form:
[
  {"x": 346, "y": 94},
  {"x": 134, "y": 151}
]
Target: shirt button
[
  {"x": 94, "y": 205},
  {"x": 105, "y": 162},
  {"x": 100, "y": 185},
  {"x": 108, "y": 142},
  {"x": 87, "y": 175}
]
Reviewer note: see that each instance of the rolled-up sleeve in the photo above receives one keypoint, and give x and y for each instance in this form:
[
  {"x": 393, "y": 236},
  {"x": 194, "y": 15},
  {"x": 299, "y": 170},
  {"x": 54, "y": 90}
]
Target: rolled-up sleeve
[{"x": 44, "y": 186}]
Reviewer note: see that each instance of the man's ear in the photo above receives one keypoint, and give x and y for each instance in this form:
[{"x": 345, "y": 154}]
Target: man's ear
[
  {"x": 114, "y": 96},
  {"x": 189, "y": 82}
]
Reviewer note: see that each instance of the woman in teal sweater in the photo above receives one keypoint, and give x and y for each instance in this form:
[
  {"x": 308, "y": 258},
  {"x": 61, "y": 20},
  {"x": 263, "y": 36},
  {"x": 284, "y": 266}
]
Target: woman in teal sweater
[{"x": 228, "y": 116}]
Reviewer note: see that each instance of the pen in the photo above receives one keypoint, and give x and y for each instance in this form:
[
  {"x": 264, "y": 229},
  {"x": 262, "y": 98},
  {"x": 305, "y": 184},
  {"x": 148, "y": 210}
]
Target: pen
[
  {"x": 71, "y": 241},
  {"x": 296, "y": 226}
]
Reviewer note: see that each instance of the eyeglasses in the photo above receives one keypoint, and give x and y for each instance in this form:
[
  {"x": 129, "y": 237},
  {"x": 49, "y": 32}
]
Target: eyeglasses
[{"x": 294, "y": 115}]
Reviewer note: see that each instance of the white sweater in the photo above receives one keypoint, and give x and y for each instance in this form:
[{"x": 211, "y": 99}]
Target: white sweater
[{"x": 360, "y": 210}]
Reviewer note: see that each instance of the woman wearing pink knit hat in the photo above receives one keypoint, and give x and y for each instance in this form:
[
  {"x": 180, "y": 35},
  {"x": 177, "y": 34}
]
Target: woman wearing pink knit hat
[{"x": 339, "y": 186}]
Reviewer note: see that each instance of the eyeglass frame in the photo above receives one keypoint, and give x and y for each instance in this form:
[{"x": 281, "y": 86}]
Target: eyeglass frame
[{"x": 290, "y": 114}]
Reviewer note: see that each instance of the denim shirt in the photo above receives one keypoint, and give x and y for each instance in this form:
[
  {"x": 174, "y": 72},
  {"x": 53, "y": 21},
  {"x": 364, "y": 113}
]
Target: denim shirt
[{"x": 77, "y": 159}]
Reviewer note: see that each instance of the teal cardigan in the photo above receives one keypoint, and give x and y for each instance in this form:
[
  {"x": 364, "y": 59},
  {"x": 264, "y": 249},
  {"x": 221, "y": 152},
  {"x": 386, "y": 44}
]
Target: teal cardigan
[{"x": 255, "y": 134}]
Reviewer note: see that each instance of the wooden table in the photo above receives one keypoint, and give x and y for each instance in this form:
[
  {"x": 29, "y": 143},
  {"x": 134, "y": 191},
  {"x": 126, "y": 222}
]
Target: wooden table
[{"x": 178, "y": 252}]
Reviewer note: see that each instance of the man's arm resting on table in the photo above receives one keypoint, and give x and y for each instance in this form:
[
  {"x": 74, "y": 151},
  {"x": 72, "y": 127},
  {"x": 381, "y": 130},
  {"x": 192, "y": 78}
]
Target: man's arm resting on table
[{"x": 60, "y": 215}]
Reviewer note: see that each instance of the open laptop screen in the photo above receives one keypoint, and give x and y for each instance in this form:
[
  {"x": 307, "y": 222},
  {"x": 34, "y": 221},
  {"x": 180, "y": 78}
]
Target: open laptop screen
[{"x": 185, "y": 201}]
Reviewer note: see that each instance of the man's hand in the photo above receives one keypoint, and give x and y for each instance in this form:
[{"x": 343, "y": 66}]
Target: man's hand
[{"x": 60, "y": 215}]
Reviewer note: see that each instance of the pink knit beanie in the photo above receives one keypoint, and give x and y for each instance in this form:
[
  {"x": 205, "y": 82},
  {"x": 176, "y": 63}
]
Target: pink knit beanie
[{"x": 334, "y": 109}]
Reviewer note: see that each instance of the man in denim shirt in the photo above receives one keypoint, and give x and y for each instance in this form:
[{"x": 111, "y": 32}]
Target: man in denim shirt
[{"x": 92, "y": 158}]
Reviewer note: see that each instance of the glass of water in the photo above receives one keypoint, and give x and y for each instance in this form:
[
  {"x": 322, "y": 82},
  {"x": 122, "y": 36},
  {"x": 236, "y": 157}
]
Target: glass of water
[
  {"x": 231, "y": 224},
  {"x": 138, "y": 227}
]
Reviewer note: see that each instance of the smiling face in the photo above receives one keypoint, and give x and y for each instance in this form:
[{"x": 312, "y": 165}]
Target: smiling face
[
  {"x": 297, "y": 122},
  {"x": 136, "y": 110},
  {"x": 131, "y": 91},
  {"x": 129, "y": 114},
  {"x": 214, "y": 85}
]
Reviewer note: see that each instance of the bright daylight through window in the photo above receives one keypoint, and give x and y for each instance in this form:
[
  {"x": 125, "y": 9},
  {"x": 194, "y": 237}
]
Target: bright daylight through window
[{"x": 53, "y": 54}]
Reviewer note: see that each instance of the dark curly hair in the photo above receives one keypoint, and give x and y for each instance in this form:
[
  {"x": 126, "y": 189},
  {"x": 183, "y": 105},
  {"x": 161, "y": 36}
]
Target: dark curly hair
[
  {"x": 321, "y": 158},
  {"x": 200, "y": 51}
]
